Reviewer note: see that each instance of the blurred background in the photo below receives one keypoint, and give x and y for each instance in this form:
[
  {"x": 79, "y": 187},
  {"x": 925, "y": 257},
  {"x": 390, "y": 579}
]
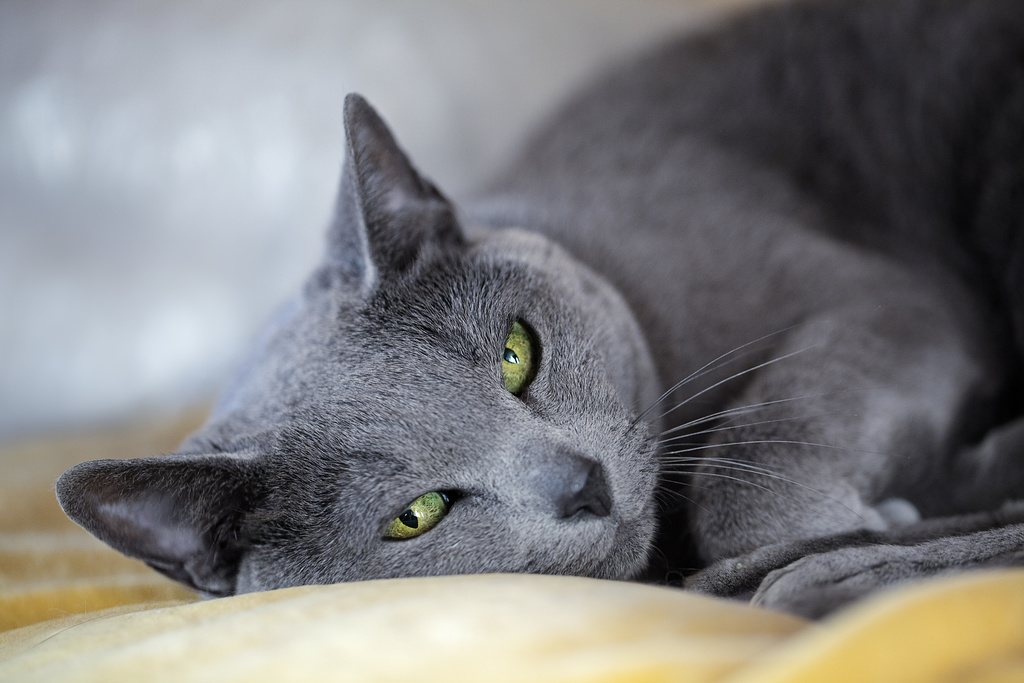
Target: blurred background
[{"x": 167, "y": 168}]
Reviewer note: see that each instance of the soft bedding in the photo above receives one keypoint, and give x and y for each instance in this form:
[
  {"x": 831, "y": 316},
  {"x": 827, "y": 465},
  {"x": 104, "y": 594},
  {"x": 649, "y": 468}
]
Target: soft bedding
[{"x": 71, "y": 609}]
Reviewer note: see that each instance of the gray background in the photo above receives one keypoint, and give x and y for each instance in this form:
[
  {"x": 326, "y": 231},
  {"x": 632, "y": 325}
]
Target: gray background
[{"x": 166, "y": 169}]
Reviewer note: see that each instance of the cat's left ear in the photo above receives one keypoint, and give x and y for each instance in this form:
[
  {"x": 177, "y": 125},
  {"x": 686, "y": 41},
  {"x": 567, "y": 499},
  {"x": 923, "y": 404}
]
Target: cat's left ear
[
  {"x": 181, "y": 515},
  {"x": 387, "y": 213}
]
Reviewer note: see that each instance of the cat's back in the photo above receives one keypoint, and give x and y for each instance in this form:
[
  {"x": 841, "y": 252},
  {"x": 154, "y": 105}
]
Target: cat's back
[
  {"x": 880, "y": 111},
  {"x": 788, "y": 160}
]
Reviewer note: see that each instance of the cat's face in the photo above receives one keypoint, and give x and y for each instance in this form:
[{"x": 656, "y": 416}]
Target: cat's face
[{"x": 439, "y": 401}]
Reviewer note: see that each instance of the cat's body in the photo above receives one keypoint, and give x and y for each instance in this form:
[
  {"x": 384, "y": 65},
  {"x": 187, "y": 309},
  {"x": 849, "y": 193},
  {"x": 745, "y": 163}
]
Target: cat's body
[
  {"x": 835, "y": 168},
  {"x": 825, "y": 198}
]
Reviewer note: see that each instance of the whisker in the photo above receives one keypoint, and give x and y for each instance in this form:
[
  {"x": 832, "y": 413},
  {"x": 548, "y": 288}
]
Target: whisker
[
  {"x": 739, "y": 465},
  {"x": 663, "y": 490},
  {"x": 750, "y": 483},
  {"x": 681, "y": 443},
  {"x": 737, "y": 375},
  {"x": 690, "y": 468},
  {"x": 750, "y": 442},
  {"x": 729, "y": 463},
  {"x": 699, "y": 459},
  {"x": 726, "y": 476},
  {"x": 737, "y": 411},
  {"x": 702, "y": 372},
  {"x": 697, "y": 373},
  {"x": 659, "y": 553},
  {"x": 752, "y": 407},
  {"x": 741, "y": 426}
]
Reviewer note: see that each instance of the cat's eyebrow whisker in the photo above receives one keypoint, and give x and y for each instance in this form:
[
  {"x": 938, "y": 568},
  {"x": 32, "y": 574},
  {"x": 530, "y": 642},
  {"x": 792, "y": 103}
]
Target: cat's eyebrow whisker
[
  {"x": 737, "y": 375},
  {"x": 701, "y": 370}
]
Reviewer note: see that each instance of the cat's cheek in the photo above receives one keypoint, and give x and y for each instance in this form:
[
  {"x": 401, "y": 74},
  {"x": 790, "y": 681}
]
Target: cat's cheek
[
  {"x": 248, "y": 580},
  {"x": 260, "y": 570}
]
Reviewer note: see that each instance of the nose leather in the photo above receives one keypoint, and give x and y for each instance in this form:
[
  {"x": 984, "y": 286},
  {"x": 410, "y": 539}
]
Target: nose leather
[
  {"x": 591, "y": 497},
  {"x": 576, "y": 486}
]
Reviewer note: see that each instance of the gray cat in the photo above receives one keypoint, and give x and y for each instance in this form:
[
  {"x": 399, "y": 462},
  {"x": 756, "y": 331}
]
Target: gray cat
[{"x": 753, "y": 303}]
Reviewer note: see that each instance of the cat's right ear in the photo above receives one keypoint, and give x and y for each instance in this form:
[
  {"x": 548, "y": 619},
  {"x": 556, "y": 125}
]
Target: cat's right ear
[
  {"x": 181, "y": 515},
  {"x": 387, "y": 214}
]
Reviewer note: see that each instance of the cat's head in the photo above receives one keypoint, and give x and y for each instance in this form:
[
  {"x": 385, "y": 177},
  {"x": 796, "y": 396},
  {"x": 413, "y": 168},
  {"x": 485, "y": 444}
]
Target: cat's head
[{"x": 441, "y": 399}]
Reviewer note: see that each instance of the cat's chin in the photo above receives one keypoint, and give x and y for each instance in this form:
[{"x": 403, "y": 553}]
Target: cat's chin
[
  {"x": 628, "y": 550},
  {"x": 627, "y": 561}
]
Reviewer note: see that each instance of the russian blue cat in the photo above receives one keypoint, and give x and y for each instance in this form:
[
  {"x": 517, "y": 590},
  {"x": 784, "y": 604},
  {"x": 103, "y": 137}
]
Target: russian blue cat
[{"x": 752, "y": 303}]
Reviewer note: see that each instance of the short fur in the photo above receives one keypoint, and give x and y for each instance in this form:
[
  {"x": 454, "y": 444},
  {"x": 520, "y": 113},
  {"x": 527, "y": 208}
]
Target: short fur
[{"x": 814, "y": 211}]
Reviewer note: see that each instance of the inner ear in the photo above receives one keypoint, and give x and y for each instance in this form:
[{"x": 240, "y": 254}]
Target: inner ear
[
  {"x": 182, "y": 515},
  {"x": 387, "y": 212}
]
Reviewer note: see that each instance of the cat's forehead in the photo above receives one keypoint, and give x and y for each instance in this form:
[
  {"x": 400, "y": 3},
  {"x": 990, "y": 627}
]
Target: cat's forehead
[
  {"x": 422, "y": 359},
  {"x": 465, "y": 302}
]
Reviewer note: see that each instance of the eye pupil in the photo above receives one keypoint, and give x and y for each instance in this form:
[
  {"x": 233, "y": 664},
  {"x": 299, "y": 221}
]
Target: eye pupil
[
  {"x": 510, "y": 356},
  {"x": 409, "y": 519}
]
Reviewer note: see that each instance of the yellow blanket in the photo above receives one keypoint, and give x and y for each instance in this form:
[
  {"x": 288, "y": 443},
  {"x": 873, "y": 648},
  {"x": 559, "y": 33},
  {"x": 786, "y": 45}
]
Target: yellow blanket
[{"x": 70, "y": 609}]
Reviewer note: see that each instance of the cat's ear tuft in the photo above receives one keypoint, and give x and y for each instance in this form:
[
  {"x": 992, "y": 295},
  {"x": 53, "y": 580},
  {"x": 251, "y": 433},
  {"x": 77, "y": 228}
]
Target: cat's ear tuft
[
  {"x": 387, "y": 213},
  {"x": 181, "y": 515}
]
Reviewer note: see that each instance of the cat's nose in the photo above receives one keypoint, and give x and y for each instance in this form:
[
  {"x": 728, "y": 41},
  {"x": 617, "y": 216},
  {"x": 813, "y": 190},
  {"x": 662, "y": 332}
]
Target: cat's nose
[{"x": 576, "y": 485}]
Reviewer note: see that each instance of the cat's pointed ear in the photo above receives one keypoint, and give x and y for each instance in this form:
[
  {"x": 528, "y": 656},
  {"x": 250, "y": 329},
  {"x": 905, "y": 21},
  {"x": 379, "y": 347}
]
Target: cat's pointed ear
[
  {"x": 387, "y": 213},
  {"x": 181, "y": 515}
]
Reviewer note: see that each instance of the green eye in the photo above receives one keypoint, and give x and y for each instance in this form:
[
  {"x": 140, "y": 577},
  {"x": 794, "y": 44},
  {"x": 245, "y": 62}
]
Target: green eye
[
  {"x": 518, "y": 360},
  {"x": 421, "y": 516}
]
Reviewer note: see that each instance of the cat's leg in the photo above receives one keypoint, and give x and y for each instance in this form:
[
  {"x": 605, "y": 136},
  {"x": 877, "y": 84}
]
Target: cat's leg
[{"x": 864, "y": 402}]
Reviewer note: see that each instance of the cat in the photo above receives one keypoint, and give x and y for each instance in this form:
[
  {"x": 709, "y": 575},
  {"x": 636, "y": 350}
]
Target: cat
[{"x": 751, "y": 304}]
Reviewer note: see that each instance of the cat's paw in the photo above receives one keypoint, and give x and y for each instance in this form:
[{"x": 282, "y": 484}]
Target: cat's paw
[
  {"x": 739, "y": 577},
  {"x": 729, "y": 578},
  {"x": 819, "y": 584}
]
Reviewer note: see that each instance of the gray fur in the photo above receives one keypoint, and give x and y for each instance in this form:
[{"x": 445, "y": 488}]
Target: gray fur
[{"x": 830, "y": 191}]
